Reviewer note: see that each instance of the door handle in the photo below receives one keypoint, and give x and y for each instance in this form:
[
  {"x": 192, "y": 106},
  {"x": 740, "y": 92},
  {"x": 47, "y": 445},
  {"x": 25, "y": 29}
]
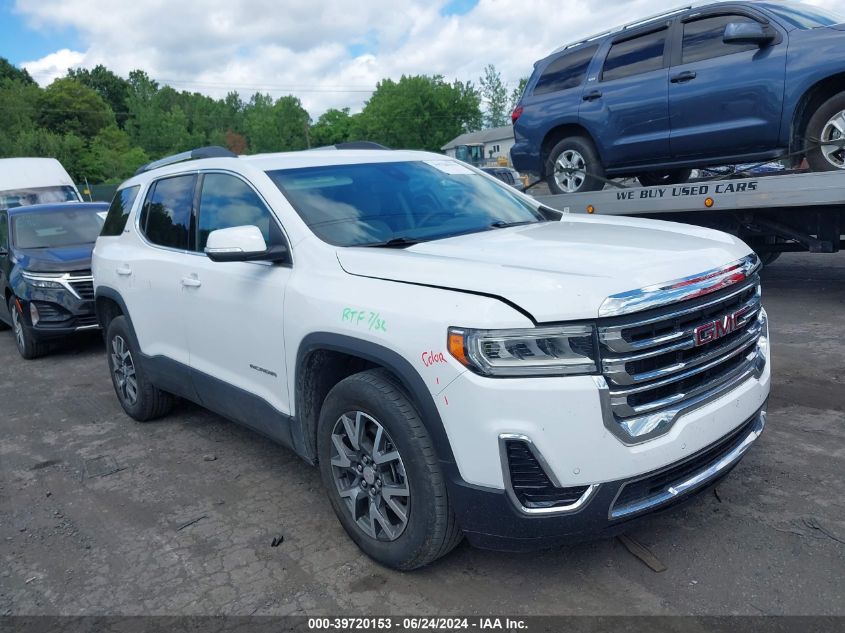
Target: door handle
[
  {"x": 191, "y": 282},
  {"x": 592, "y": 95},
  {"x": 687, "y": 75},
  {"x": 123, "y": 270}
]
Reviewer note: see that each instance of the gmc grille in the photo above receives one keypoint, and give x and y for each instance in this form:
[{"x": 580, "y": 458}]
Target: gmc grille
[{"x": 661, "y": 362}]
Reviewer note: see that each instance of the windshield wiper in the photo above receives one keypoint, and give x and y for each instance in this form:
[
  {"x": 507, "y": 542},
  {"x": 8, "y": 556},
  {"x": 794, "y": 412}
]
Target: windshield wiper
[
  {"x": 501, "y": 224},
  {"x": 396, "y": 242}
]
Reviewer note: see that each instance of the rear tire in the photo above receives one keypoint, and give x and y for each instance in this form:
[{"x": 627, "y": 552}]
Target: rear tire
[
  {"x": 371, "y": 439},
  {"x": 827, "y": 124},
  {"x": 654, "y": 178},
  {"x": 141, "y": 400},
  {"x": 28, "y": 346},
  {"x": 574, "y": 166}
]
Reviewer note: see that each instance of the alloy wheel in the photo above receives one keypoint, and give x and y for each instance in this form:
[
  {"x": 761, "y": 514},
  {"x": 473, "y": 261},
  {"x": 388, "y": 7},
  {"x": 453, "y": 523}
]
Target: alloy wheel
[
  {"x": 370, "y": 476},
  {"x": 570, "y": 170},
  {"x": 17, "y": 325},
  {"x": 124, "y": 371},
  {"x": 834, "y": 131}
]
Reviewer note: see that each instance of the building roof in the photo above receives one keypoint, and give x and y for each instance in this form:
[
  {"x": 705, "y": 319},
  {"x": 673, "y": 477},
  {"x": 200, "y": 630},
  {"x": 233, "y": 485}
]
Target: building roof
[{"x": 482, "y": 136}]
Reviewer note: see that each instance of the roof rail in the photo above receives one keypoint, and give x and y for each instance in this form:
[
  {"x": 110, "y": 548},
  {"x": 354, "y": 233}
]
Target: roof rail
[
  {"x": 212, "y": 151},
  {"x": 630, "y": 25},
  {"x": 360, "y": 145}
]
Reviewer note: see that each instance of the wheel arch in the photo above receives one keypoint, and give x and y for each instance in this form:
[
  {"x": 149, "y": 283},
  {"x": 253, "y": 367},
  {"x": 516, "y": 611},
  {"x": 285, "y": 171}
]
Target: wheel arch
[
  {"x": 809, "y": 102},
  {"x": 108, "y": 304},
  {"x": 557, "y": 134},
  {"x": 324, "y": 359}
]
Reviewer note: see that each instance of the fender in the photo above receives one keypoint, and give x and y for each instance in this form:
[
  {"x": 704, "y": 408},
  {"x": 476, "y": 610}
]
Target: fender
[{"x": 389, "y": 360}]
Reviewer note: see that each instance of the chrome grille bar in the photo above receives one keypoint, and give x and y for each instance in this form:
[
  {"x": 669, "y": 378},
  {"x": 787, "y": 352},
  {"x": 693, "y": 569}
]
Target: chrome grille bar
[{"x": 659, "y": 364}]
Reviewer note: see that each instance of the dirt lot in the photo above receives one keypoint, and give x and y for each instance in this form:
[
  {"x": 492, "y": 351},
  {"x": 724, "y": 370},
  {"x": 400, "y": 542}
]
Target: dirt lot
[{"x": 102, "y": 515}]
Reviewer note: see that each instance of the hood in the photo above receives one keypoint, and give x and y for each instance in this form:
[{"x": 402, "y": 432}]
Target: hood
[
  {"x": 555, "y": 271},
  {"x": 59, "y": 259}
]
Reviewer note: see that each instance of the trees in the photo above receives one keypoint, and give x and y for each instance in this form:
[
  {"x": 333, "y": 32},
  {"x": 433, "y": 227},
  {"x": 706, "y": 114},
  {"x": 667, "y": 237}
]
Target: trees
[
  {"x": 276, "y": 126},
  {"x": 113, "y": 89},
  {"x": 68, "y": 107},
  {"x": 516, "y": 95},
  {"x": 418, "y": 112},
  {"x": 494, "y": 93},
  {"x": 103, "y": 126},
  {"x": 334, "y": 126}
]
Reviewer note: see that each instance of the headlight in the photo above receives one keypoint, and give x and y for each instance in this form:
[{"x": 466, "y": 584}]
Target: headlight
[
  {"x": 542, "y": 351},
  {"x": 40, "y": 280}
]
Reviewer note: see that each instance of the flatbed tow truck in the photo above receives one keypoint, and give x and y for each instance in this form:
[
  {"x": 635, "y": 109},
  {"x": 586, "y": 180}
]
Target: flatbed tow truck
[{"x": 778, "y": 213}]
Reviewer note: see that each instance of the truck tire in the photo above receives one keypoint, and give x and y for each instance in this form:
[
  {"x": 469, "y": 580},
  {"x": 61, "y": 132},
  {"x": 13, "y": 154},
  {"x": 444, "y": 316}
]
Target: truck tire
[
  {"x": 28, "y": 346},
  {"x": 141, "y": 400},
  {"x": 371, "y": 440},
  {"x": 655, "y": 178},
  {"x": 827, "y": 124},
  {"x": 574, "y": 166}
]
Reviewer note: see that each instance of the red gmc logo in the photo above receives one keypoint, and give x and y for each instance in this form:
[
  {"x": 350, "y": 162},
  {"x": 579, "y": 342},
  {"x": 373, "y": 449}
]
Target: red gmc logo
[{"x": 723, "y": 326}]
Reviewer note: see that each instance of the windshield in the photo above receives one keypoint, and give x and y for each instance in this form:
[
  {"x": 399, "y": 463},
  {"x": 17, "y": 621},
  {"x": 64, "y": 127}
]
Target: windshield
[
  {"x": 37, "y": 195},
  {"x": 46, "y": 229},
  {"x": 805, "y": 16},
  {"x": 373, "y": 203}
]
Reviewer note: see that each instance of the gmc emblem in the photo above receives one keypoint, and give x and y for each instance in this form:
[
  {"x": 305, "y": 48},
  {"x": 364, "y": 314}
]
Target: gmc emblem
[{"x": 723, "y": 326}]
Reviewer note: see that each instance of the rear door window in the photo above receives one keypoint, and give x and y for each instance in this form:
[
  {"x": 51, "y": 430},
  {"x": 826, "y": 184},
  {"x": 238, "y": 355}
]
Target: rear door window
[
  {"x": 635, "y": 56},
  {"x": 703, "y": 39},
  {"x": 567, "y": 71},
  {"x": 166, "y": 217}
]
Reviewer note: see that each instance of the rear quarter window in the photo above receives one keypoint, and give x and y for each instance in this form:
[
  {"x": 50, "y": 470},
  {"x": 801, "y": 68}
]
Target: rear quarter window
[
  {"x": 567, "y": 71},
  {"x": 119, "y": 210}
]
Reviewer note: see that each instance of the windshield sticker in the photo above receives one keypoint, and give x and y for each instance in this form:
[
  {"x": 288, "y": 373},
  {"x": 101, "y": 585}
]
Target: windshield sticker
[
  {"x": 450, "y": 167},
  {"x": 369, "y": 319}
]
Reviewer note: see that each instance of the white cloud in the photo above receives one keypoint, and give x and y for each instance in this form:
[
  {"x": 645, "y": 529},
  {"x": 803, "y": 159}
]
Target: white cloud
[
  {"x": 305, "y": 47},
  {"x": 54, "y": 65}
]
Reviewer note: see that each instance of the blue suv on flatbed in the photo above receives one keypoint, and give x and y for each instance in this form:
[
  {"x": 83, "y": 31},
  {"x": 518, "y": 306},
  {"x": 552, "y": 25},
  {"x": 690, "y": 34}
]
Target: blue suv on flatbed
[{"x": 726, "y": 83}]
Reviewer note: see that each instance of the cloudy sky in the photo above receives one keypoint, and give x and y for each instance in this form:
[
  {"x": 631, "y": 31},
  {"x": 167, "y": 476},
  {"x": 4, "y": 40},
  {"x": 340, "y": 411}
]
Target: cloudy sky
[{"x": 330, "y": 53}]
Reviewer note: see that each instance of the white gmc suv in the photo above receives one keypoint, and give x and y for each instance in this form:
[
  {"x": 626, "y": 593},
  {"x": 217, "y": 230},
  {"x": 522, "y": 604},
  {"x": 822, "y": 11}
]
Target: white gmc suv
[{"x": 456, "y": 359}]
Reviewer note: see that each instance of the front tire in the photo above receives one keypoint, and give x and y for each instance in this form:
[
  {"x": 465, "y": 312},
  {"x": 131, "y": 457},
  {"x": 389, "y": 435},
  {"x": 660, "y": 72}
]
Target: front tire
[
  {"x": 28, "y": 346},
  {"x": 573, "y": 166},
  {"x": 141, "y": 400},
  {"x": 654, "y": 179},
  {"x": 381, "y": 473},
  {"x": 827, "y": 125}
]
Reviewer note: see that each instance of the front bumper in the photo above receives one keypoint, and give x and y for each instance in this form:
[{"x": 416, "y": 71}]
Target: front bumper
[
  {"x": 59, "y": 313},
  {"x": 490, "y": 518}
]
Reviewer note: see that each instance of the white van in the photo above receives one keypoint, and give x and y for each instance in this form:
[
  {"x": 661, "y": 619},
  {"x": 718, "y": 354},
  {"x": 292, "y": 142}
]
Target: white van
[{"x": 26, "y": 181}]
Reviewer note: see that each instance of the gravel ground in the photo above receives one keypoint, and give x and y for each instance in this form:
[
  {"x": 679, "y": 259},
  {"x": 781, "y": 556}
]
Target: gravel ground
[{"x": 102, "y": 515}]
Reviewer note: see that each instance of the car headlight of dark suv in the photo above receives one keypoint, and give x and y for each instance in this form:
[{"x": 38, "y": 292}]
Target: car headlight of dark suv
[{"x": 42, "y": 280}]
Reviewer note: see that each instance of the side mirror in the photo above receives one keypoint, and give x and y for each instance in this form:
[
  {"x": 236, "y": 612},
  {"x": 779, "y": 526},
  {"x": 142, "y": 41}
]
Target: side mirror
[
  {"x": 3, "y": 251},
  {"x": 748, "y": 33},
  {"x": 242, "y": 244}
]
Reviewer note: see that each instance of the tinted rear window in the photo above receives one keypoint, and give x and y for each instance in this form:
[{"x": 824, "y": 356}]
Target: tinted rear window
[
  {"x": 635, "y": 56},
  {"x": 567, "y": 71},
  {"x": 166, "y": 218},
  {"x": 119, "y": 210}
]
